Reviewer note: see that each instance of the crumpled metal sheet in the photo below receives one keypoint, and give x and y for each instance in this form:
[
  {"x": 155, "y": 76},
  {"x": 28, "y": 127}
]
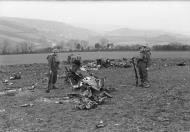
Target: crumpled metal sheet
[{"x": 86, "y": 103}]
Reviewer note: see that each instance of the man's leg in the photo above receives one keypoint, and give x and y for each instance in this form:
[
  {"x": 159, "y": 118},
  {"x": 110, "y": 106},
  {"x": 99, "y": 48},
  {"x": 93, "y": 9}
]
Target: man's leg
[
  {"x": 140, "y": 74},
  {"x": 54, "y": 79},
  {"x": 49, "y": 82},
  {"x": 145, "y": 76}
]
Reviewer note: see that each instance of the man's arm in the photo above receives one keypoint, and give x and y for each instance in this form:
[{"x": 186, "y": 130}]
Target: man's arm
[{"x": 50, "y": 62}]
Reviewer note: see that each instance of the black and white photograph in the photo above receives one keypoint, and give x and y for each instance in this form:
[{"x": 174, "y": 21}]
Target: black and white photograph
[{"x": 94, "y": 66}]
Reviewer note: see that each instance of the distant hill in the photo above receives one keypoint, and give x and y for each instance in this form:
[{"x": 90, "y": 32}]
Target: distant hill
[
  {"x": 129, "y": 36},
  {"x": 134, "y": 33},
  {"x": 42, "y": 33},
  {"x": 17, "y": 30}
]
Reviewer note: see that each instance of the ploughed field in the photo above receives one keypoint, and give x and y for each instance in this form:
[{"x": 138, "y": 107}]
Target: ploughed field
[{"x": 163, "y": 107}]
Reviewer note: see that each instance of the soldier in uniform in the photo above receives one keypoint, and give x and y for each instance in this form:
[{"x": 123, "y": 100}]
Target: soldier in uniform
[
  {"x": 143, "y": 64},
  {"x": 53, "y": 63},
  {"x": 69, "y": 58}
]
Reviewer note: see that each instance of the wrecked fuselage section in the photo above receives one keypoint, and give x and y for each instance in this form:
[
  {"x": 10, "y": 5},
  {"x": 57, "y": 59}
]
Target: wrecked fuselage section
[{"x": 90, "y": 89}]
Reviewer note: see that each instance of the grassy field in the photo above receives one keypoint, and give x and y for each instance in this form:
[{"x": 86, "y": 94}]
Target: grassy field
[
  {"x": 165, "y": 107},
  {"x": 41, "y": 58}
]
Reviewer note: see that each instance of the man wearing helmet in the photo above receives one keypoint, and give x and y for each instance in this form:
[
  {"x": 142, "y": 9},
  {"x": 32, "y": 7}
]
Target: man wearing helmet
[
  {"x": 53, "y": 63},
  {"x": 143, "y": 64}
]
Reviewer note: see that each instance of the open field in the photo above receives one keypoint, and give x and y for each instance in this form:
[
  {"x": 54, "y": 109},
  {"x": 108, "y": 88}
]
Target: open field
[
  {"x": 41, "y": 58},
  {"x": 165, "y": 107}
]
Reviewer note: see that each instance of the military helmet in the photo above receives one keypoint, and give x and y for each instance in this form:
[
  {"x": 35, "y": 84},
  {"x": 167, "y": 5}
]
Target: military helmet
[
  {"x": 55, "y": 50},
  {"x": 144, "y": 49}
]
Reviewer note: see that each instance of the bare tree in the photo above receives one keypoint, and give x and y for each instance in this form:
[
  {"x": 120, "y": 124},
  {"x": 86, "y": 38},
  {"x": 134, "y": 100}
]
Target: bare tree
[
  {"x": 110, "y": 46},
  {"x": 78, "y": 46},
  {"x": 84, "y": 44},
  {"x": 62, "y": 44},
  {"x": 17, "y": 49},
  {"x": 97, "y": 46},
  {"x": 24, "y": 47},
  {"x": 30, "y": 47},
  {"x": 5, "y": 47},
  {"x": 72, "y": 43},
  {"x": 103, "y": 42}
]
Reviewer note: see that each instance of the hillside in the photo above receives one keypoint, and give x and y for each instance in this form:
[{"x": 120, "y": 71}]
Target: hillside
[
  {"x": 133, "y": 32},
  {"x": 41, "y": 33},
  {"x": 17, "y": 30},
  {"x": 129, "y": 36}
]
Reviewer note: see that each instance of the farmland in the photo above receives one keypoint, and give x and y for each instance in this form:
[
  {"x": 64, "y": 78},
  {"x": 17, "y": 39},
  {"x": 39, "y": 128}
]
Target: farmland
[
  {"x": 41, "y": 58},
  {"x": 163, "y": 107}
]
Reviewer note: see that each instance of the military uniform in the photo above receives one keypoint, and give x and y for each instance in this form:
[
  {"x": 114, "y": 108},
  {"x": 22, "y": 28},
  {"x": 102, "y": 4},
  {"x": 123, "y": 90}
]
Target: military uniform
[
  {"x": 71, "y": 58},
  {"x": 53, "y": 63},
  {"x": 143, "y": 62}
]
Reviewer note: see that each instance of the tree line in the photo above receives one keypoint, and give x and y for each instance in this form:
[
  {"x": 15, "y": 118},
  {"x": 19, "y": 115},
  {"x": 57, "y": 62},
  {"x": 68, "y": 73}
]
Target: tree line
[
  {"x": 23, "y": 47},
  {"x": 83, "y": 45},
  {"x": 174, "y": 46}
]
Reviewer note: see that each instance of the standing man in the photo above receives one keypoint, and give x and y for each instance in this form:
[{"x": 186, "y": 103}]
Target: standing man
[
  {"x": 53, "y": 63},
  {"x": 143, "y": 64},
  {"x": 69, "y": 58}
]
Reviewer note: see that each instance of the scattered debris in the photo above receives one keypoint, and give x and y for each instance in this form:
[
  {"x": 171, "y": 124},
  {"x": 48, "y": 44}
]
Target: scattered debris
[
  {"x": 45, "y": 100},
  {"x": 92, "y": 91},
  {"x": 117, "y": 124},
  {"x": 181, "y": 64},
  {"x": 27, "y": 105},
  {"x": 165, "y": 65},
  {"x": 39, "y": 119},
  {"x": 10, "y": 84},
  {"x": 31, "y": 88},
  {"x": 13, "y": 92},
  {"x": 121, "y": 64},
  {"x": 55, "y": 100},
  {"x": 91, "y": 66},
  {"x": 15, "y": 76},
  {"x": 5, "y": 81},
  {"x": 59, "y": 102},
  {"x": 2, "y": 110},
  {"x": 86, "y": 104},
  {"x": 11, "y": 78},
  {"x": 10, "y": 92},
  {"x": 101, "y": 124},
  {"x": 106, "y": 63}
]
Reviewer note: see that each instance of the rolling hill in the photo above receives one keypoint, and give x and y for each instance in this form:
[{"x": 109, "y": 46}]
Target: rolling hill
[
  {"x": 130, "y": 36},
  {"x": 42, "y": 32},
  {"x": 17, "y": 30}
]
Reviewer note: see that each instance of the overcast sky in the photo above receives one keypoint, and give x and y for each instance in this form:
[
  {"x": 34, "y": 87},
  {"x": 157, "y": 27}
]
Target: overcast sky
[{"x": 100, "y": 16}]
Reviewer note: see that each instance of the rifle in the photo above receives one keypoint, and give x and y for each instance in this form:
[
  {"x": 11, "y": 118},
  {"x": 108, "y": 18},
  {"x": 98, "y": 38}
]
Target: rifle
[
  {"x": 51, "y": 74},
  {"x": 135, "y": 69}
]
